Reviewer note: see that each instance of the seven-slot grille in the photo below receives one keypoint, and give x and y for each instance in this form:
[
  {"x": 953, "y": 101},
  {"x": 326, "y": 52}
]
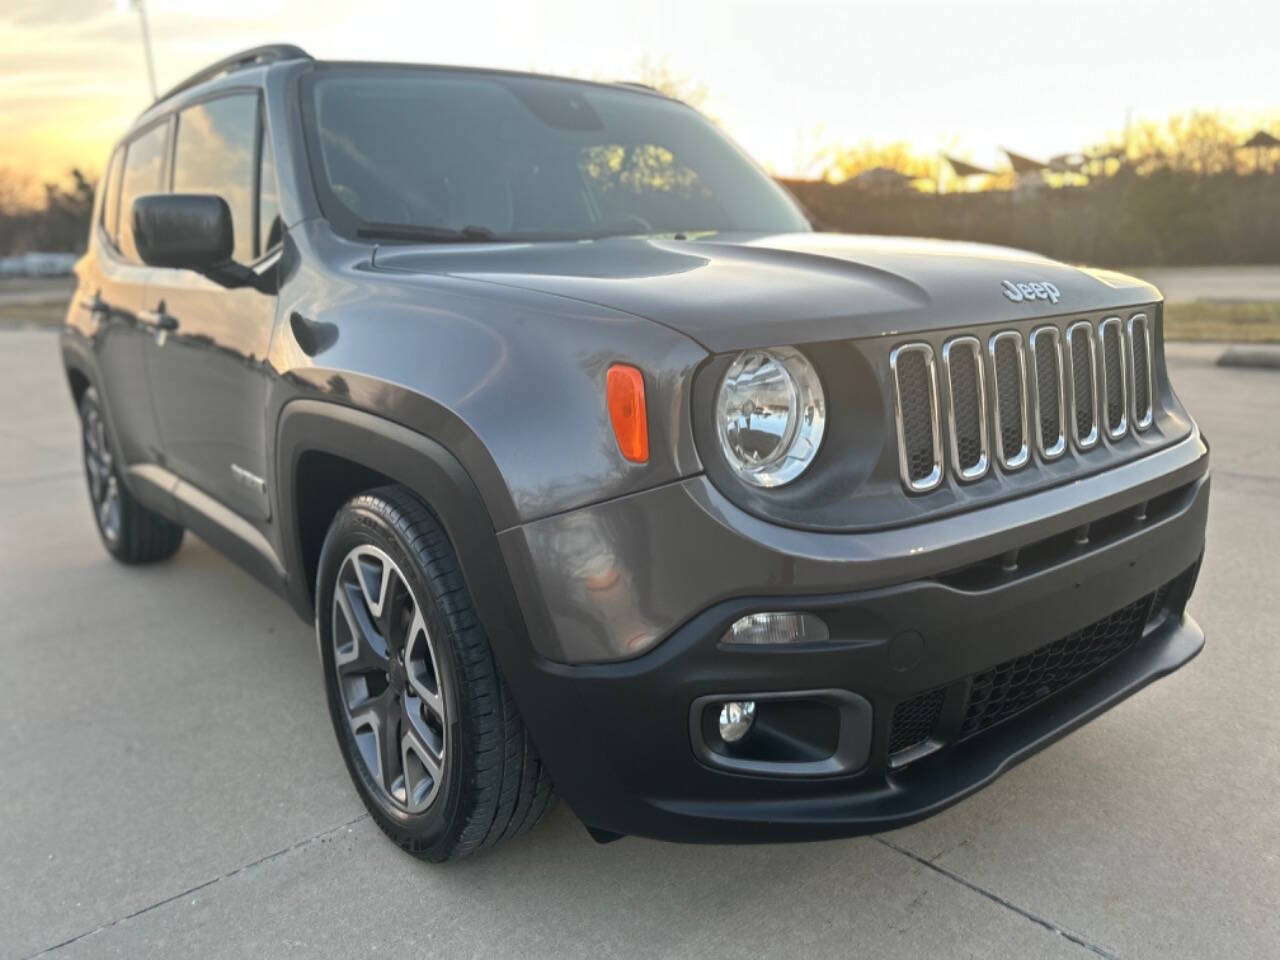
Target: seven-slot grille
[{"x": 1050, "y": 389}]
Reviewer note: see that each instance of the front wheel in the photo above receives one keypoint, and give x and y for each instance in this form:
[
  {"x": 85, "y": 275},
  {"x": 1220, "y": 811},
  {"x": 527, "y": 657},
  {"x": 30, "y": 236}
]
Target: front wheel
[{"x": 425, "y": 722}]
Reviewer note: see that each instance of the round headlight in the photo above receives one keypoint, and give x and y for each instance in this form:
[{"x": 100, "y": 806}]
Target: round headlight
[{"x": 770, "y": 415}]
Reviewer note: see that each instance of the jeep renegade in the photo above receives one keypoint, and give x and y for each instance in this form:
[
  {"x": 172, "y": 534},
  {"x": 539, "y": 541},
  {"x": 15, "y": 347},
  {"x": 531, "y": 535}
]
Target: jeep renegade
[{"x": 595, "y": 466}]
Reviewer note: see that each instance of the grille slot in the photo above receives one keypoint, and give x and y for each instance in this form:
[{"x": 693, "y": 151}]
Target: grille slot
[
  {"x": 914, "y": 720},
  {"x": 1011, "y": 687},
  {"x": 966, "y": 407},
  {"x": 1082, "y": 358},
  {"x": 1114, "y": 388},
  {"x": 1009, "y": 385},
  {"x": 1140, "y": 359},
  {"x": 1047, "y": 393},
  {"x": 916, "y": 412}
]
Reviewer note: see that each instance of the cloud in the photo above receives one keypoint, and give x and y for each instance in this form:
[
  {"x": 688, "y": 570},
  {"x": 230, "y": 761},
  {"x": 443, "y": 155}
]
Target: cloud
[{"x": 42, "y": 13}]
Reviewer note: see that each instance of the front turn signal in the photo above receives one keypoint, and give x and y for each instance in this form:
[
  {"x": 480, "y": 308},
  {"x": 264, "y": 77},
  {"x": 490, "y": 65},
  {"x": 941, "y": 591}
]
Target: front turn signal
[{"x": 624, "y": 388}]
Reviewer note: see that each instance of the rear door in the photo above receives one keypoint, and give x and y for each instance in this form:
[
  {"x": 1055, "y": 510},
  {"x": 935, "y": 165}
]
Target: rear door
[
  {"x": 112, "y": 289},
  {"x": 210, "y": 375}
]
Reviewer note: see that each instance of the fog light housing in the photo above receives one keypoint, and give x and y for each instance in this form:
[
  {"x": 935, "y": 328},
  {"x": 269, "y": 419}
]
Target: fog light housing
[
  {"x": 760, "y": 629},
  {"x": 736, "y": 718}
]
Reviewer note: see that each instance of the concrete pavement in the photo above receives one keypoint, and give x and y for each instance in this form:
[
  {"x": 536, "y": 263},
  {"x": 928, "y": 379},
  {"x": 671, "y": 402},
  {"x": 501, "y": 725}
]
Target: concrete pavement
[
  {"x": 169, "y": 785},
  {"x": 1186, "y": 284}
]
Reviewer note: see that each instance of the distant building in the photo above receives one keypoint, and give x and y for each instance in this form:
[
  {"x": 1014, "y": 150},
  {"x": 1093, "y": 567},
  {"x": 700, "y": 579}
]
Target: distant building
[
  {"x": 37, "y": 264},
  {"x": 882, "y": 180}
]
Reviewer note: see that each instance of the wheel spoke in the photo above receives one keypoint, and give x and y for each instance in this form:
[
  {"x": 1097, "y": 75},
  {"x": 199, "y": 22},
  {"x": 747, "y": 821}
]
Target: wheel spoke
[
  {"x": 362, "y": 649},
  {"x": 422, "y": 756},
  {"x": 104, "y": 448},
  {"x": 390, "y": 757},
  {"x": 372, "y": 574},
  {"x": 397, "y": 609},
  {"x": 420, "y": 663}
]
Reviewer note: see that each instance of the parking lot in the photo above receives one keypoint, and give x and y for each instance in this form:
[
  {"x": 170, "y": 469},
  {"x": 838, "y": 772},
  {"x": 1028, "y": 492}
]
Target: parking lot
[{"x": 169, "y": 784}]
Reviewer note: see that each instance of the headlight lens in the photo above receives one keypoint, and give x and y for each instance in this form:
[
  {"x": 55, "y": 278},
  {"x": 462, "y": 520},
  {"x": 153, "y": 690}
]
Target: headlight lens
[{"x": 770, "y": 415}]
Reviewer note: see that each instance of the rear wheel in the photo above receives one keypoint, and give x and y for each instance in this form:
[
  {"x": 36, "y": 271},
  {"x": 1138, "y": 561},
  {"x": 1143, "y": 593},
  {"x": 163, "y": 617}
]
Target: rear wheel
[
  {"x": 426, "y": 724},
  {"x": 130, "y": 532}
]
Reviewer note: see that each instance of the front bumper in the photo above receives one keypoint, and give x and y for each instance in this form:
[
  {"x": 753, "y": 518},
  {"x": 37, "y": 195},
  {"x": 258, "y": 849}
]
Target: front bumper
[{"x": 618, "y": 737}]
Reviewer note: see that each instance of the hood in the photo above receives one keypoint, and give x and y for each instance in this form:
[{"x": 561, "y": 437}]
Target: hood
[{"x": 730, "y": 292}]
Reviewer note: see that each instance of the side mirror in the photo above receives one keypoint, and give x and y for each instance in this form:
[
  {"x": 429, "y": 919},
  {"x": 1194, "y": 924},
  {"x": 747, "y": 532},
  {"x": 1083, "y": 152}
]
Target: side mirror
[{"x": 189, "y": 231}]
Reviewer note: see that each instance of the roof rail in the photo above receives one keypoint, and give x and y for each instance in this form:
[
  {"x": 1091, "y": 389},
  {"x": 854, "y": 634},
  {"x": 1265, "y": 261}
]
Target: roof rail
[{"x": 256, "y": 56}]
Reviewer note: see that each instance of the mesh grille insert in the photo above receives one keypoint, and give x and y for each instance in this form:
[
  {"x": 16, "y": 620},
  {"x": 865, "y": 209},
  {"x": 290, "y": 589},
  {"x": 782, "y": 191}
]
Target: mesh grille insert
[
  {"x": 1082, "y": 381},
  {"x": 1141, "y": 372},
  {"x": 966, "y": 405},
  {"x": 1009, "y": 397},
  {"x": 915, "y": 392},
  {"x": 1047, "y": 378},
  {"x": 914, "y": 720},
  {"x": 1113, "y": 365},
  {"x": 1013, "y": 686}
]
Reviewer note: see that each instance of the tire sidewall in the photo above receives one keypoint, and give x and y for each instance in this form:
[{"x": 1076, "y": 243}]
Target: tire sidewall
[{"x": 372, "y": 521}]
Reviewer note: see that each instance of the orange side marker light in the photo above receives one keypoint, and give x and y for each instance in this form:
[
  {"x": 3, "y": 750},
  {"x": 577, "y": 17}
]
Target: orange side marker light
[{"x": 624, "y": 388}]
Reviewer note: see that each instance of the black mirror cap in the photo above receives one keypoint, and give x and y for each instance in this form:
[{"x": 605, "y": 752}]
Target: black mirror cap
[{"x": 190, "y": 231}]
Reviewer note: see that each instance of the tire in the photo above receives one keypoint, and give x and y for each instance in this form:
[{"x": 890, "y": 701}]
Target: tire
[
  {"x": 404, "y": 652},
  {"x": 131, "y": 533}
]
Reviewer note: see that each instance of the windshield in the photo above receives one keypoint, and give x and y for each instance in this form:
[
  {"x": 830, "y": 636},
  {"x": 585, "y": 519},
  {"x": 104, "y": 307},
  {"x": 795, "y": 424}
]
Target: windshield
[{"x": 473, "y": 156}]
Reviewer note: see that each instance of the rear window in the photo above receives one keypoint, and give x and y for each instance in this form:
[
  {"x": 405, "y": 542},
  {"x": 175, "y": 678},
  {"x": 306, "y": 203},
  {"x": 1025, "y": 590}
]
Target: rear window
[
  {"x": 214, "y": 153},
  {"x": 143, "y": 169}
]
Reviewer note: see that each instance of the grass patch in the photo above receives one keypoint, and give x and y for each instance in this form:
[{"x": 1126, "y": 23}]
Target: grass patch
[
  {"x": 1244, "y": 321},
  {"x": 17, "y": 316}
]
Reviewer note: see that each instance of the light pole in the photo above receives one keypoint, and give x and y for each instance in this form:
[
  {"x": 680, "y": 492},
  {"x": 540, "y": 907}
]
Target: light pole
[{"x": 141, "y": 7}]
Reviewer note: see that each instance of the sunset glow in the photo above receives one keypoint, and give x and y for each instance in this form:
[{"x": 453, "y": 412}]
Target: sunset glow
[{"x": 784, "y": 78}]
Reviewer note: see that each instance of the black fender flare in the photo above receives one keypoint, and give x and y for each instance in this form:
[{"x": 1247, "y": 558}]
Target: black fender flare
[{"x": 428, "y": 469}]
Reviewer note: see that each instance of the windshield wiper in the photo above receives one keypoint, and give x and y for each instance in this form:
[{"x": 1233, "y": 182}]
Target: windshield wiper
[{"x": 424, "y": 234}]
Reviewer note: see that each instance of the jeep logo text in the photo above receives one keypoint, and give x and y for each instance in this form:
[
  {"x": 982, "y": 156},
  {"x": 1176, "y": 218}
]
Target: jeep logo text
[{"x": 1017, "y": 292}]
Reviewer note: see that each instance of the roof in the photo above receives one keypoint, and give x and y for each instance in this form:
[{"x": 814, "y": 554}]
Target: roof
[{"x": 1262, "y": 139}]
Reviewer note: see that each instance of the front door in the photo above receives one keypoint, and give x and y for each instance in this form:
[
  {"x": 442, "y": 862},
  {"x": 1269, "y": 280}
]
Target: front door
[{"x": 208, "y": 371}]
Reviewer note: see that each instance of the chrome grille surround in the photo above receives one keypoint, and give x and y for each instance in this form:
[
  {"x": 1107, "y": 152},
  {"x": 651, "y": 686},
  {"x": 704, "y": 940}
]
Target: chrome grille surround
[
  {"x": 897, "y": 358},
  {"x": 1046, "y": 347},
  {"x": 1082, "y": 333},
  {"x": 951, "y": 351},
  {"x": 1114, "y": 378},
  {"x": 1139, "y": 370},
  {"x": 1020, "y": 458},
  {"x": 1099, "y": 371}
]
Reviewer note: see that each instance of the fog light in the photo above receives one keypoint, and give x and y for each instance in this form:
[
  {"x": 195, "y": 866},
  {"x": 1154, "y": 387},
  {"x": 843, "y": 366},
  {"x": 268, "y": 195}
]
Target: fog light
[
  {"x": 736, "y": 718},
  {"x": 765, "y": 628}
]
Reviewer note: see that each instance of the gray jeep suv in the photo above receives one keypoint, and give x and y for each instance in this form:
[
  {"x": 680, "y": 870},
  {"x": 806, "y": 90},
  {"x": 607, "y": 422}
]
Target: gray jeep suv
[{"x": 594, "y": 465}]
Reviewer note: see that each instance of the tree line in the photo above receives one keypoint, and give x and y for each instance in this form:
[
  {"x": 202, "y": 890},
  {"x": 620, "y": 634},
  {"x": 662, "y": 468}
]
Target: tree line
[{"x": 55, "y": 218}]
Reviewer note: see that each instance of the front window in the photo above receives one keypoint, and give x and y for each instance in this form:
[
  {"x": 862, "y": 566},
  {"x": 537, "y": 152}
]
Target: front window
[
  {"x": 215, "y": 154},
  {"x": 483, "y": 155}
]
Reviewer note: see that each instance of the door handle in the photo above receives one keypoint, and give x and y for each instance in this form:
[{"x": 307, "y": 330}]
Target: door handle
[{"x": 159, "y": 318}]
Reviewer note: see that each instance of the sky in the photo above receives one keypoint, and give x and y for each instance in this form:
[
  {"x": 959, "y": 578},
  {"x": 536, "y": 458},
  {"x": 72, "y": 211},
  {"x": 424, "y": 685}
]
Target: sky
[{"x": 784, "y": 77}]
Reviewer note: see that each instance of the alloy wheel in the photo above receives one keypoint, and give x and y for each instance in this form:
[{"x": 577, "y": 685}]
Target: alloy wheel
[
  {"x": 104, "y": 489},
  {"x": 388, "y": 681}
]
